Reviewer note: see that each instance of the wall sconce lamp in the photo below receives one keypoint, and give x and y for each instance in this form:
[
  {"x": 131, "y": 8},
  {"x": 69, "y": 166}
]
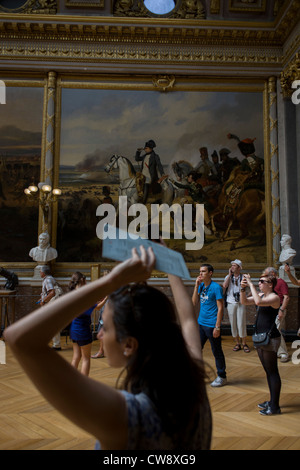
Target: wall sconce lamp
[{"x": 47, "y": 196}]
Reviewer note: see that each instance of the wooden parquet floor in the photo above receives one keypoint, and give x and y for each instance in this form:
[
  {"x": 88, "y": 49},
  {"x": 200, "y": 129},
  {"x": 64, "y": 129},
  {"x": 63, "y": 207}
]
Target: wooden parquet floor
[{"x": 28, "y": 422}]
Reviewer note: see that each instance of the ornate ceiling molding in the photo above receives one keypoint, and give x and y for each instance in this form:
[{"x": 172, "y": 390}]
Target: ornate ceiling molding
[
  {"x": 188, "y": 43},
  {"x": 182, "y": 54},
  {"x": 183, "y": 9},
  {"x": 140, "y": 31},
  {"x": 159, "y": 30}
]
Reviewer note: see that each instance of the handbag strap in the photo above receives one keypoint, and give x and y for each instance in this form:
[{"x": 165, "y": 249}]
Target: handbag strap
[{"x": 271, "y": 329}]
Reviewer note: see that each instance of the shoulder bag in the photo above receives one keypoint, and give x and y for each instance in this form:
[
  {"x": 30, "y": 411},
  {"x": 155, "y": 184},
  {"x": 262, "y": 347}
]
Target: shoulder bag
[{"x": 262, "y": 339}]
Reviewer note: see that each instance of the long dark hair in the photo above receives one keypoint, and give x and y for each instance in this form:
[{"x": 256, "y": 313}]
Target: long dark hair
[
  {"x": 162, "y": 366},
  {"x": 75, "y": 280}
]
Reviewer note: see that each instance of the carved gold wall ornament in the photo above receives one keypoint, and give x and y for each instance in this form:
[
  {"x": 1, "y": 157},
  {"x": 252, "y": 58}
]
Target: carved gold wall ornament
[
  {"x": 274, "y": 167},
  {"x": 85, "y": 3},
  {"x": 215, "y": 6},
  {"x": 48, "y": 7},
  {"x": 289, "y": 75},
  {"x": 163, "y": 82},
  {"x": 49, "y": 143}
]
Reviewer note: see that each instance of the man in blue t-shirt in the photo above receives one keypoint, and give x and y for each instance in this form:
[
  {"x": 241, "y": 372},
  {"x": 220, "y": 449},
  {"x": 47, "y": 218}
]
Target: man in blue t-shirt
[{"x": 210, "y": 296}]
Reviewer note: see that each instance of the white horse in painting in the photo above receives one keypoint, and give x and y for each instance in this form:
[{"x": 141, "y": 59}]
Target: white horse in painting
[
  {"x": 128, "y": 181},
  {"x": 127, "y": 175}
]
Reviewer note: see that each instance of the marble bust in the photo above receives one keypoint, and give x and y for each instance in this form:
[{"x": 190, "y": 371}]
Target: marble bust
[
  {"x": 287, "y": 253},
  {"x": 43, "y": 253},
  {"x": 286, "y": 256}
]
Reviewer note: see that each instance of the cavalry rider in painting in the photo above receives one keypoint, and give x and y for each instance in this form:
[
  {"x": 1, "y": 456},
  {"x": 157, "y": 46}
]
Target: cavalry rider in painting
[
  {"x": 248, "y": 175},
  {"x": 252, "y": 166}
]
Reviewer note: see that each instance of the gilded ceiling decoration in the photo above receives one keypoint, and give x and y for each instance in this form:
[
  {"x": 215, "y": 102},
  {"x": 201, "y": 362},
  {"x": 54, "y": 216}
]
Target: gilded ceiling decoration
[
  {"x": 31, "y": 7},
  {"x": 289, "y": 75},
  {"x": 85, "y": 3},
  {"x": 60, "y": 40},
  {"x": 184, "y": 9},
  {"x": 247, "y": 5}
]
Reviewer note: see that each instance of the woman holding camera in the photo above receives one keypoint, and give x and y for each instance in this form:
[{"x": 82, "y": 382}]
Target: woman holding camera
[{"x": 268, "y": 303}]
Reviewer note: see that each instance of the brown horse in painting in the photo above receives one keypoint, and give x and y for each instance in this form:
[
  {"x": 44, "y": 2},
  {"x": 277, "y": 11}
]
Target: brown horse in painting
[{"x": 246, "y": 207}]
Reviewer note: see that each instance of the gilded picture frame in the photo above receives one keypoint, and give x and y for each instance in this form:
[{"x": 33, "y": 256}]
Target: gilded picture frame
[{"x": 85, "y": 107}]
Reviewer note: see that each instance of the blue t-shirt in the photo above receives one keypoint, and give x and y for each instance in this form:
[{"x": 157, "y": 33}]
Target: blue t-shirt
[{"x": 208, "y": 303}]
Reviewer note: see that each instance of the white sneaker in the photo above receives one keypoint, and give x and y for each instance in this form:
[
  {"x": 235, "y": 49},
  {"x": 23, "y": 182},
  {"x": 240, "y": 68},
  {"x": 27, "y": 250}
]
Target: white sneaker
[
  {"x": 284, "y": 357},
  {"x": 219, "y": 382}
]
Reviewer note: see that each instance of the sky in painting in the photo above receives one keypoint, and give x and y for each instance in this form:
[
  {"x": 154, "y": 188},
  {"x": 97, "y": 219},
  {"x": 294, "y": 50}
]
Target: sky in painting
[
  {"x": 96, "y": 124},
  {"x": 21, "y": 121}
]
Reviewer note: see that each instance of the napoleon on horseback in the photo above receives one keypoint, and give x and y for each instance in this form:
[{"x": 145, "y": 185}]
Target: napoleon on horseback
[{"x": 152, "y": 168}]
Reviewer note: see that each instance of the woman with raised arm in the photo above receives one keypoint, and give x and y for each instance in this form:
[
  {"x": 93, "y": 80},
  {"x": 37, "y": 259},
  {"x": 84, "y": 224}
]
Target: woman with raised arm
[
  {"x": 163, "y": 404},
  {"x": 268, "y": 303},
  {"x": 292, "y": 278}
]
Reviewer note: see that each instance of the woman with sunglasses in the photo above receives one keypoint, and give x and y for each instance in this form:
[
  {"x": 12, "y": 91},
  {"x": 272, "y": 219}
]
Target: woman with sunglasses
[
  {"x": 268, "y": 303},
  {"x": 163, "y": 404}
]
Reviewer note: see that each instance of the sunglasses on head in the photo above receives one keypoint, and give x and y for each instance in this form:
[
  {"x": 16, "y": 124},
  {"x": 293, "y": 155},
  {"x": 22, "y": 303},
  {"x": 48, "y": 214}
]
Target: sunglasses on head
[
  {"x": 263, "y": 280},
  {"x": 131, "y": 290}
]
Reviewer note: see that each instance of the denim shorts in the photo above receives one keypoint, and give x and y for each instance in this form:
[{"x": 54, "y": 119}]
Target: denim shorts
[{"x": 83, "y": 342}]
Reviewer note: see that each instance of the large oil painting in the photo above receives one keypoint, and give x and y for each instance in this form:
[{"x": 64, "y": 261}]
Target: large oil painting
[
  {"x": 21, "y": 122},
  {"x": 185, "y": 147}
]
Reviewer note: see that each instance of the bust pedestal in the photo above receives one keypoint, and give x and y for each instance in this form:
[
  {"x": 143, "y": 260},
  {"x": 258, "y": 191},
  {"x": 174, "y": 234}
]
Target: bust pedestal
[{"x": 7, "y": 307}]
